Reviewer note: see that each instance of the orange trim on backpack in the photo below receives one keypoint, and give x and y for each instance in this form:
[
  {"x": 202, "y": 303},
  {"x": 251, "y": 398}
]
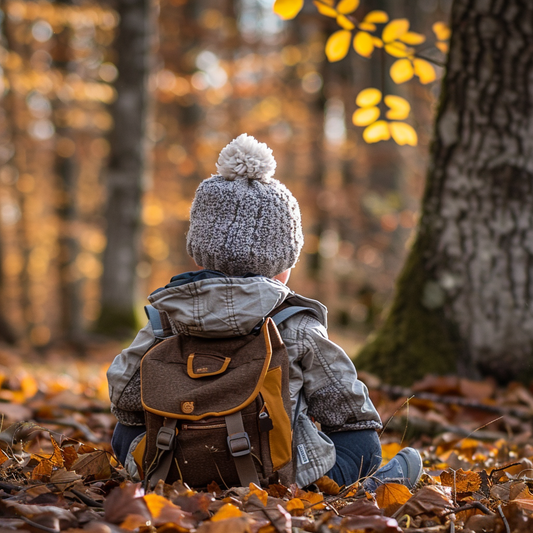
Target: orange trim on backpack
[
  {"x": 280, "y": 436},
  {"x": 192, "y": 374},
  {"x": 248, "y": 401},
  {"x": 138, "y": 455}
]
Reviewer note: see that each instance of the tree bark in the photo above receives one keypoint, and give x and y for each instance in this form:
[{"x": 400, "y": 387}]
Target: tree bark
[
  {"x": 464, "y": 299},
  {"x": 127, "y": 166}
]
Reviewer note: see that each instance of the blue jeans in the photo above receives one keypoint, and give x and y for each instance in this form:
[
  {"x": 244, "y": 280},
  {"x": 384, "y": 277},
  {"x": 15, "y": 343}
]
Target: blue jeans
[
  {"x": 358, "y": 452},
  {"x": 358, "y": 455}
]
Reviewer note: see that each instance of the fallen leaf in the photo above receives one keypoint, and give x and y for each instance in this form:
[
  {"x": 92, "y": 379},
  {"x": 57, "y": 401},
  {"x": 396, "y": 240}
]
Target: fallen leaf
[
  {"x": 432, "y": 501},
  {"x": 461, "y": 481},
  {"x": 391, "y": 496},
  {"x": 327, "y": 486},
  {"x": 226, "y": 511}
]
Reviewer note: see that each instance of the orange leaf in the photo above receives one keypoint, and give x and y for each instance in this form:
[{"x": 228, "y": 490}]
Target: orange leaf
[
  {"x": 295, "y": 504},
  {"x": 327, "y": 486},
  {"x": 461, "y": 480},
  {"x": 391, "y": 496},
  {"x": 260, "y": 493},
  {"x": 69, "y": 456},
  {"x": 43, "y": 470},
  {"x": 226, "y": 511}
]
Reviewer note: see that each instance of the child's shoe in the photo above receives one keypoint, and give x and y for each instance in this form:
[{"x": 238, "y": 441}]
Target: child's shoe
[{"x": 404, "y": 468}]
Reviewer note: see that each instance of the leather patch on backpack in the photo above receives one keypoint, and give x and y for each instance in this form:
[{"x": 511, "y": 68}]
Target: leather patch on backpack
[
  {"x": 202, "y": 365},
  {"x": 187, "y": 407}
]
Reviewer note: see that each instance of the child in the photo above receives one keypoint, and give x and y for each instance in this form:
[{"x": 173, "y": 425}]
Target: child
[{"x": 245, "y": 234}]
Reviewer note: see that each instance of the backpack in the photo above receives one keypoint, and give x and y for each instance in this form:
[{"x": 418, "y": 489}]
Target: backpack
[{"x": 217, "y": 409}]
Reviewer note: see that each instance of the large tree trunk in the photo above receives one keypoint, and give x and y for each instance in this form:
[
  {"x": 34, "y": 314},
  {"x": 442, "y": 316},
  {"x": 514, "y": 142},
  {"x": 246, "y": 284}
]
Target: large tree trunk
[
  {"x": 127, "y": 166},
  {"x": 464, "y": 301}
]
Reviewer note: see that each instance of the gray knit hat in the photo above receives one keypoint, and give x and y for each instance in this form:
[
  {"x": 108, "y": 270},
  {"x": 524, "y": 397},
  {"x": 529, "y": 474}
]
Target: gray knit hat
[{"x": 242, "y": 219}]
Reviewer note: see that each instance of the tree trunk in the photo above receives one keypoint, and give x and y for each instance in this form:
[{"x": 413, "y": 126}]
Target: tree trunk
[
  {"x": 67, "y": 209},
  {"x": 127, "y": 166},
  {"x": 464, "y": 299}
]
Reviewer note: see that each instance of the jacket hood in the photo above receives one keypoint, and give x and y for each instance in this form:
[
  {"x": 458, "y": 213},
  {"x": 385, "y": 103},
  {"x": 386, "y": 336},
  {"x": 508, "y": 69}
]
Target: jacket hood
[
  {"x": 224, "y": 306},
  {"x": 221, "y": 306}
]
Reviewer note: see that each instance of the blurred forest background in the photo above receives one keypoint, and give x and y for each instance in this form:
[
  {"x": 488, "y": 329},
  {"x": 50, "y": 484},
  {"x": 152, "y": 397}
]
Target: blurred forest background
[{"x": 76, "y": 87}]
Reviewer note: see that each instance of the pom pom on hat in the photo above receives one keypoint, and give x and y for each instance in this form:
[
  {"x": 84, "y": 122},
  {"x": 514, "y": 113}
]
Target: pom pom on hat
[{"x": 246, "y": 158}]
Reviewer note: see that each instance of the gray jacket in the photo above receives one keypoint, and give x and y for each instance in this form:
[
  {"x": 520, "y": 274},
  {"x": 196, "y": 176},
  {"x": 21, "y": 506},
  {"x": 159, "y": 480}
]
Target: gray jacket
[{"x": 323, "y": 380}]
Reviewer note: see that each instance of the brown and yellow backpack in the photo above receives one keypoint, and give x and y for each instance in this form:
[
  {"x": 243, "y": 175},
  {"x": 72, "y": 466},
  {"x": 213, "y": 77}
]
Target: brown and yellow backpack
[{"x": 217, "y": 409}]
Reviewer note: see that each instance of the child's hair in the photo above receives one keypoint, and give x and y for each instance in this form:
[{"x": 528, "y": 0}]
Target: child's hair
[{"x": 243, "y": 221}]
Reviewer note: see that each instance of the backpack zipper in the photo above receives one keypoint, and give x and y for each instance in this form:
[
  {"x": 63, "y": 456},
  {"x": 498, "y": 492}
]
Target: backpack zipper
[{"x": 186, "y": 427}]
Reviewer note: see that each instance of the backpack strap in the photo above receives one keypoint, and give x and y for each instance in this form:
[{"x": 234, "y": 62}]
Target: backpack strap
[
  {"x": 239, "y": 447},
  {"x": 289, "y": 311},
  {"x": 166, "y": 442},
  {"x": 159, "y": 322}
]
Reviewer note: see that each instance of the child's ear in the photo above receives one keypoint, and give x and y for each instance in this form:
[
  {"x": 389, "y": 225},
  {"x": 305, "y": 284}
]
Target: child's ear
[{"x": 283, "y": 277}]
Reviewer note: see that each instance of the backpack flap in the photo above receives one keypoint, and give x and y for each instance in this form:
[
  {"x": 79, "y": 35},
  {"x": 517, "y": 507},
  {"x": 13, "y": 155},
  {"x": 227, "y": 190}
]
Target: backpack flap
[{"x": 192, "y": 378}]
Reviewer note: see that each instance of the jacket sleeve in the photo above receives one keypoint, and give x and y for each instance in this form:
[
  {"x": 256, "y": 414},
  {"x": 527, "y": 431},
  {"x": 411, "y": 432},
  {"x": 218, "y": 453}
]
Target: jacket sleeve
[
  {"x": 124, "y": 381},
  {"x": 335, "y": 396}
]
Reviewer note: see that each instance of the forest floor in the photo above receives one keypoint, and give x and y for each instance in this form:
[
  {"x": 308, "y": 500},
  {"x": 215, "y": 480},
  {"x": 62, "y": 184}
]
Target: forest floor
[{"x": 57, "y": 471}]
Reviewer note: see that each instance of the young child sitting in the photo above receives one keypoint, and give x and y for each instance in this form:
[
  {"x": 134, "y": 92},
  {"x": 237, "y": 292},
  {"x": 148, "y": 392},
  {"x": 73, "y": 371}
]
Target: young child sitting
[{"x": 246, "y": 235}]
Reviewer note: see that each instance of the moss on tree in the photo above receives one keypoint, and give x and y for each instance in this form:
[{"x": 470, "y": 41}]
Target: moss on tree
[{"x": 414, "y": 340}]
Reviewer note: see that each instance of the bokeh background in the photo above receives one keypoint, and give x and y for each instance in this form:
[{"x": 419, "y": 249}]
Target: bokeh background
[{"x": 218, "y": 68}]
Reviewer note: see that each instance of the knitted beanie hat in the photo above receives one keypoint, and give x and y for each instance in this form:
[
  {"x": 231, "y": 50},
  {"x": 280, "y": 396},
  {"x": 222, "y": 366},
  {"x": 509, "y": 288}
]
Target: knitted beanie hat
[{"x": 242, "y": 219}]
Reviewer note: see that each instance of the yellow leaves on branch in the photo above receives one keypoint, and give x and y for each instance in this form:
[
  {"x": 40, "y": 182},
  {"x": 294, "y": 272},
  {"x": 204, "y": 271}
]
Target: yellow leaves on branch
[
  {"x": 363, "y": 43},
  {"x": 368, "y": 97},
  {"x": 325, "y": 9},
  {"x": 401, "y": 71},
  {"x": 403, "y": 133},
  {"x": 399, "y": 107},
  {"x": 441, "y": 31},
  {"x": 424, "y": 70},
  {"x": 337, "y": 45},
  {"x": 347, "y": 6},
  {"x": 376, "y": 17},
  {"x": 288, "y": 9},
  {"x": 365, "y": 116},
  {"x": 404, "y": 69},
  {"x": 394, "y": 30},
  {"x": 381, "y": 130}
]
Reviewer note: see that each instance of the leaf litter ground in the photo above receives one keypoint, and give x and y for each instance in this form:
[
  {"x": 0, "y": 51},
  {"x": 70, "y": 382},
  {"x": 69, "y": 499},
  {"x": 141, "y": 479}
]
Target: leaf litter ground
[{"x": 58, "y": 473}]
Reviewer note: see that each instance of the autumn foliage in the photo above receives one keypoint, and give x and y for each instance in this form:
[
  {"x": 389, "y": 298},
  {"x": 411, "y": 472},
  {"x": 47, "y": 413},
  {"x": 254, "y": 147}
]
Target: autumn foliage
[{"x": 57, "y": 471}]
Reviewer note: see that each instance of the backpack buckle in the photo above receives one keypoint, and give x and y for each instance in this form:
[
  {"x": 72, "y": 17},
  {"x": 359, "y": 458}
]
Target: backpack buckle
[
  {"x": 165, "y": 438},
  {"x": 239, "y": 444}
]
